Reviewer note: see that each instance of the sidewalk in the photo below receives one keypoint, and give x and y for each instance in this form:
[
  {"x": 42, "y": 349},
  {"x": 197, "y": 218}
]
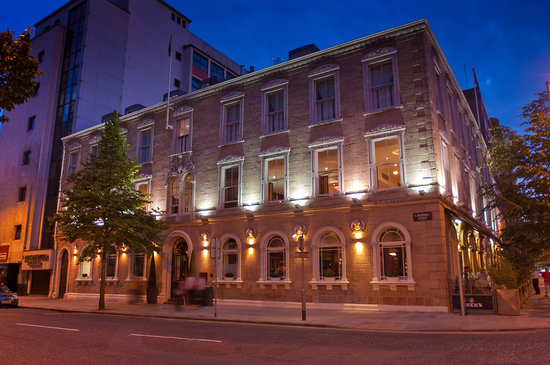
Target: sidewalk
[{"x": 535, "y": 315}]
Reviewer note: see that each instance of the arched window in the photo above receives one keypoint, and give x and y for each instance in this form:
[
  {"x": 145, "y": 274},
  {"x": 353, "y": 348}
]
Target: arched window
[
  {"x": 393, "y": 254},
  {"x": 180, "y": 200},
  {"x": 85, "y": 270},
  {"x": 331, "y": 257},
  {"x": 230, "y": 260},
  {"x": 276, "y": 259}
]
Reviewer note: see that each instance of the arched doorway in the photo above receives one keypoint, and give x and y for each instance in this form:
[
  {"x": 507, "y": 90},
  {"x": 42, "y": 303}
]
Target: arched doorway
[
  {"x": 63, "y": 274},
  {"x": 180, "y": 264}
]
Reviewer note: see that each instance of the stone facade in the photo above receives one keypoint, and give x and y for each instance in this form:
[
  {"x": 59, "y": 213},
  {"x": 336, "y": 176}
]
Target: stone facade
[{"x": 363, "y": 178}]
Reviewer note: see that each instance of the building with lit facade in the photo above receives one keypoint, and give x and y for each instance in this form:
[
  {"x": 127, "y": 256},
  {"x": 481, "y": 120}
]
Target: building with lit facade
[
  {"x": 366, "y": 152},
  {"x": 96, "y": 56}
]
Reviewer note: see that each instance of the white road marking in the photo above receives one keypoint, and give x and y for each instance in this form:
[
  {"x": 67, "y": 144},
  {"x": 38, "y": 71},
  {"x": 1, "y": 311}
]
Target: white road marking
[
  {"x": 53, "y": 328},
  {"x": 175, "y": 338}
]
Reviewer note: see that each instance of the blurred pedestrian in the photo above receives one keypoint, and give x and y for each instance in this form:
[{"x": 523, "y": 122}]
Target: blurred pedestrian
[
  {"x": 535, "y": 275},
  {"x": 189, "y": 288},
  {"x": 133, "y": 291},
  {"x": 546, "y": 276},
  {"x": 179, "y": 292}
]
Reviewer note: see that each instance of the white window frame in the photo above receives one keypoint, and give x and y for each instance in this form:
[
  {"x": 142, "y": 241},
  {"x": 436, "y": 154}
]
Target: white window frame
[
  {"x": 221, "y": 269},
  {"x": 315, "y": 248},
  {"x": 147, "y": 181},
  {"x": 115, "y": 277},
  {"x": 457, "y": 181},
  {"x": 377, "y": 279},
  {"x": 180, "y": 179},
  {"x": 316, "y": 75},
  {"x": 231, "y": 100},
  {"x": 79, "y": 276},
  {"x": 141, "y": 132},
  {"x": 473, "y": 194},
  {"x": 132, "y": 264},
  {"x": 73, "y": 164},
  {"x": 265, "y": 279},
  {"x": 177, "y": 118},
  {"x": 222, "y": 167},
  {"x": 273, "y": 87},
  {"x": 372, "y": 138},
  {"x": 445, "y": 168},
  {"x": 315, "y": 149},
  {"x": 266, "y": 158},
  {"x": 374, "y": 58}
]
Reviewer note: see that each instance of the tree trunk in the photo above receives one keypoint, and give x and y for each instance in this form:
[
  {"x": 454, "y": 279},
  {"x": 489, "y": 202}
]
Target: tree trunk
[{"x": 102, "y": 280}]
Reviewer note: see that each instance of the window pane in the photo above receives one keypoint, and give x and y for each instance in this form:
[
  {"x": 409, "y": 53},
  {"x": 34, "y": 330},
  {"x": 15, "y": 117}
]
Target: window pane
[
  {"x": 231, "y": 187},
  {"x": 175, "y": 196},
  {"x": 188, "y": 194},
  {"x": 393, "y": 262},
  {"x": 84, "y": 269},
  {"x": 230, "y": 259},
  {"x": 145, "y": 146},
  {"x": 182, "y": 143},
  {"x": 328, "y": 175},
  {"x": 139, "y": 262},
  {"x": 276, "y": 179},
  {"x": 277, "y": 266},
  {"x": 110, "y": 265},
  {"x": 329, "y": 264},
  {"x": 388, "y": 168},
  {"x": 275, "y": 111},
  {"x": 382, "y": 85},
  {"x": 232, "y": 122}
]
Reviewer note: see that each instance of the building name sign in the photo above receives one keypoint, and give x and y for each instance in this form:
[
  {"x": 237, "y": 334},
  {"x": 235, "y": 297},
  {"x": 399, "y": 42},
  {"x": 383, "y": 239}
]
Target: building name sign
[
  {"x": 4, "y": 249},
  {"x": 36, "y": 260},
  {"x": 422, "y": 216}
]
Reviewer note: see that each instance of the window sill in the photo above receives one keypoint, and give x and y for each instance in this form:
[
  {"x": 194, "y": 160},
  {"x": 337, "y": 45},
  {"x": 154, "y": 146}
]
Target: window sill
[
  {"x": 311, "y": 124},
  {"x": 228, "y": 283},
  {"x": 182, "y": 153},
  {"x": 230, "y": 143},
  {"x": 275, "y": 133},
  {"x": 274, "y": 283},
  {"x": 112, "y": 281},
  {"x": 393, "y": 284},
  {"x": 329, "y": 284},
  {"x": 372, "y": 112},
  {"x": 83, "y": 281}
]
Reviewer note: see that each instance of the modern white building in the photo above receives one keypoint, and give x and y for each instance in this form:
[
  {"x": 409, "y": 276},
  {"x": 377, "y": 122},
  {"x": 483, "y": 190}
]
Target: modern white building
[{"x": 97, "y": 56}]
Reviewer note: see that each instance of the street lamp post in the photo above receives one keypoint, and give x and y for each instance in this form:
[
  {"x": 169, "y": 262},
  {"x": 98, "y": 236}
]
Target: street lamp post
[{"x": 301, "y": 248}]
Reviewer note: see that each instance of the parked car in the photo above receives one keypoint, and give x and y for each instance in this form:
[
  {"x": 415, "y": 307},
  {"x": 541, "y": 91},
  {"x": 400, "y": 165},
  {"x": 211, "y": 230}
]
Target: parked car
[{"x": 7, "y": 297}]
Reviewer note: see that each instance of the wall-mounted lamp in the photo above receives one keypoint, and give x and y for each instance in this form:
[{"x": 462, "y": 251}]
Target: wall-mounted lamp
[
  {"x": 204, "y": 240},
  {"x": 75, "y": 249},
  {"x": 250, "y": 236},
  {"x": 357, "y": 228}
]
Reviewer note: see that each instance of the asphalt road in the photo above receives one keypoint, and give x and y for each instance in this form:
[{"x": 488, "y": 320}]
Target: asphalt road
[{"x": 34, "y": 336}]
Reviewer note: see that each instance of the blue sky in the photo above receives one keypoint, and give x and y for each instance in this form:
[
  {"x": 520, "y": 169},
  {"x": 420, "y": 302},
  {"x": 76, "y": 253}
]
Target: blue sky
[{"x": 506, "y": 41}]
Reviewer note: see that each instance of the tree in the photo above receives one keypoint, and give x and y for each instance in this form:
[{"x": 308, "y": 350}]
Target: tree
[
  {"x": 17, "y": 71},
  {"x": 103, "y": 208},
  {"x": 521, "y": 192}
]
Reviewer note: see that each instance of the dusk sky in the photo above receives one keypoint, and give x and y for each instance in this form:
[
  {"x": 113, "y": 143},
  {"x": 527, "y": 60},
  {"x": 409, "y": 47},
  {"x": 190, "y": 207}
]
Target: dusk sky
[{"x": 506, "y": 41}]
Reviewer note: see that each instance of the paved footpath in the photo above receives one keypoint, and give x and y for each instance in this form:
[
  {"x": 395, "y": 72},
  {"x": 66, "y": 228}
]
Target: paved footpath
[{"x": 534, "y": 315}]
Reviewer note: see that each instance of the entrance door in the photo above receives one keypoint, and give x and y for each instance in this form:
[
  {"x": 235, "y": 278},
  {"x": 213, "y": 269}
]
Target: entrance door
[
  {"x": 63, "y": 274},
  {"x": 180, "y": 264}
]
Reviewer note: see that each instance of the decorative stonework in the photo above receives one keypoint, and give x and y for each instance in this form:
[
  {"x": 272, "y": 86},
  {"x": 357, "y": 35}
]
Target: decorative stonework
[
  {"x": 141, "y": 177},
  {"x": 229, "y": 159},
  {"x": 384, "y": 129},
  {"x": 145, "y": 123},
  {"x": 95, "y": 140},
  {"x": 273, "y": 150},
  {"x": 183, "y": 110},
  {"x": 233, "y": 95},
  {"x": 74, "y": 146},
  {"x": 322, "y": 69},
  {"x": 274, "y": 83},
  {"x": 181, "y": 164},
  {"x": 326, "y": 140},
  {"x": 378, "y": 53}
]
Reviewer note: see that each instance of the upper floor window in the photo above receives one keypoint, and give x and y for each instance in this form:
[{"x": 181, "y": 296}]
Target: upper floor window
[
  {"x": 73, "y": 161},
  {"x": 327, "y": 171},
  {"x": 144, "y": 189},
  {"x": 41, "y": 56},
  {"x": 195, "y": 84},
  {"x": 231, "y": 118},
  {"x": 216, "y": 71},
  {"x": 26, "y": 157},
  {"x": 380, "y": 74},
  {"x": 275, "y": 178},
  {"x": 182, "y": 135},
  {"x": 388, "y": 162},
  {"x": 230, "y": 186},
  {"x": 200, "y": 65},
  {"x": 30, "y": 123},
  {"x": 324, "y": 94},
  {"x": 181, "y": 194},
  {"x": 17, "y": 234},
  {"x": 178, "y": 56},
  {"x": 22, "y": 194},
  {"x": 94, "y": 150},
  {"x": 274, "y": 107},
  {"x": 145, "y": 145},
  {"x": 446, "y": 173}
]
